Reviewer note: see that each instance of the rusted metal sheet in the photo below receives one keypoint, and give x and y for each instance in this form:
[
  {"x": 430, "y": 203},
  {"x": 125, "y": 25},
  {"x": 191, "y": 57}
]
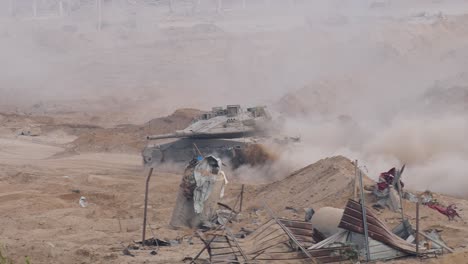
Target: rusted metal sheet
[
  {"x": 290, "y": 235},
  {"x": 303, "y": 230},
  {"x": 270, "y": 243},
  {"x": 296, "y": 224},
  {"x": 352, "y": 221},
  {"x": 277, "y": 240}
]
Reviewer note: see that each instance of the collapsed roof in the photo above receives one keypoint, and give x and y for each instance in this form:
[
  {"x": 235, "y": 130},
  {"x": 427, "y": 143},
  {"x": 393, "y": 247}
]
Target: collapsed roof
[{"x": 292, "y": 241}]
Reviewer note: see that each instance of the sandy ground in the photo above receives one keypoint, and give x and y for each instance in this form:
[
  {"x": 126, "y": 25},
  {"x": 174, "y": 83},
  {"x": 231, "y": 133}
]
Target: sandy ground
[{"x": 41, "y": 217}]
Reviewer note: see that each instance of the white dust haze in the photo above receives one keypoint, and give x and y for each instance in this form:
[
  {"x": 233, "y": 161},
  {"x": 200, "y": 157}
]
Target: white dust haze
[{"x": 384, "y": 82}]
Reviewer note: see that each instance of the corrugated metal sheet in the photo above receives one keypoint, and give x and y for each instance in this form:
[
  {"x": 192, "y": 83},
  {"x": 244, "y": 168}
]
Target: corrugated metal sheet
[
  {"x": 403, "y": 230},
  {"x": 377, "y": 250},
  {"x": 301, "y": 229},
  {"x": 352, "y": 221},
  {"x": 270, "y": 244}
]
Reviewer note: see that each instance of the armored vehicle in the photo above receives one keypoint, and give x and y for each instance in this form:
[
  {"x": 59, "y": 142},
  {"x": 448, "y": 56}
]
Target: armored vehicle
[{"x": 223, "y": 132}]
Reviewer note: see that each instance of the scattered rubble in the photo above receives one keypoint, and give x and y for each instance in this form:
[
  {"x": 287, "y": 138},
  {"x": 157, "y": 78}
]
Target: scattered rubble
[
  {"x": 327, "y": 235},
  {"x": 284, "y": 240},
  {"x": 83, "y": 202},
  {"x": 154, "y": 242},
  {"x": 30, "y": 131}
]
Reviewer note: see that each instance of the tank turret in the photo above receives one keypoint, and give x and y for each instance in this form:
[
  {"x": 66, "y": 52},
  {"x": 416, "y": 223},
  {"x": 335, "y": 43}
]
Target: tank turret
[{"x": 231, "y": 122}]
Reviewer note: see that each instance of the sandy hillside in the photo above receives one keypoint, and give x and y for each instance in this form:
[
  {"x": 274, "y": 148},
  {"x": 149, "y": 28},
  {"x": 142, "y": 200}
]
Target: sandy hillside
[
  {"x": 327, "y": 180},
  {"x": 83, "y": 137},
  {"x": 132, "y": 138}
]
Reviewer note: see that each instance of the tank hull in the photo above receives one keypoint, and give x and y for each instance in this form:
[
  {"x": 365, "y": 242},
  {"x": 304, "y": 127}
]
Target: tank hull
[{"x": 185, "y": 149}]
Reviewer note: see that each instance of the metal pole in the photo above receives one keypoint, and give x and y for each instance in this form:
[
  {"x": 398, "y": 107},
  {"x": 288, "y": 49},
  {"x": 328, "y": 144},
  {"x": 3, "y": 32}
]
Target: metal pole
[
  {"x": 417, "y": 228},
  {"x": 198, "y": 150},
  {"x": 355, "y": 179},
  {"x": 400, "y": 196},
  {"x": 364, "y": 218},
  {"x": 397, "y": 185},
  {"x": 241, "y": 198},
  {"x": 146, "y": 206},
  {"x": 207, "y": 245},
  {"x": 437, "y": 243}
]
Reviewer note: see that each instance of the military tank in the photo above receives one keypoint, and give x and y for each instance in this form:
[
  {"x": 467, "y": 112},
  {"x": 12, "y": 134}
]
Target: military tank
[{"x": 223, "y": 132}]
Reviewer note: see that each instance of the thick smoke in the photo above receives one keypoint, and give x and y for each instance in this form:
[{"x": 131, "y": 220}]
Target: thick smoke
[{"x": 371, "y": 80}]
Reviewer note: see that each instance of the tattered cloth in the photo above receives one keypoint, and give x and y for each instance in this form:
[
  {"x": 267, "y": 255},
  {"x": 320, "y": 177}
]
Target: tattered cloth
[
  {"x": 450, "y": 211},
  {"x": 199, "y": 193},
  {"x": 188, "y": 181},
  {"x": 205, "y": 180},
  {"x": 386, "y": 179},
  {"x": 386, "y": 192}
]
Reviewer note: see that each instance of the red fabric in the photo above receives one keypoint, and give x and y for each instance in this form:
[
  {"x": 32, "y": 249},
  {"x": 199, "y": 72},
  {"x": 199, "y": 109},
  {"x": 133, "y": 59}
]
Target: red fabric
[
  {"x": 386, "y": 179},
  {"x": 449, "y": 211},
  {"x": 382, "y": 186},
  {"x": 439, "y": 208}
]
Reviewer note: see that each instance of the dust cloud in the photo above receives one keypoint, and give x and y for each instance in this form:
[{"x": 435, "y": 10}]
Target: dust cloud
[{"x": 379, "y": 81}]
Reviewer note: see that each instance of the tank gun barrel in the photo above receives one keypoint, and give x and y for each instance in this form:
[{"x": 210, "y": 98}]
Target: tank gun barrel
[
  {"x": 184, "y": 134},
  {"x": 169, "y": 135}
]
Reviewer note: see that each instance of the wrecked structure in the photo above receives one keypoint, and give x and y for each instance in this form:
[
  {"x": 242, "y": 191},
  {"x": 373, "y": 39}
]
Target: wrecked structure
[
  {"x": 330, "y": 235},
  {"x": 230, "y": 133},
  {"x": 281, "y": 240},
  {"x": 201, "y": 188}
]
